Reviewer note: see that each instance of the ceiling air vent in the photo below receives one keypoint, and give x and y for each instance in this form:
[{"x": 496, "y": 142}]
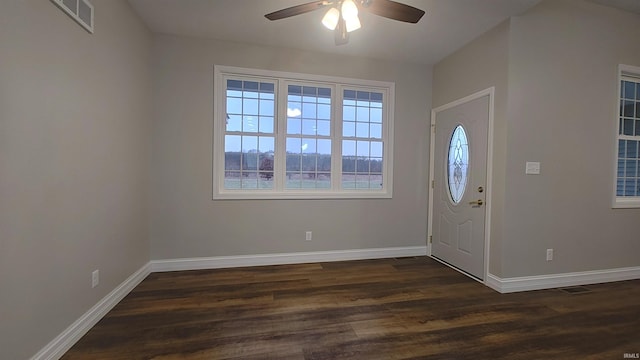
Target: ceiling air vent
[{"x": 79, "y": 10}]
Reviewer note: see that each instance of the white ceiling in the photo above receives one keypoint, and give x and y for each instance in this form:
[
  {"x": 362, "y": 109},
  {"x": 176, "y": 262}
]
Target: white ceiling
[{"x": 446, "y": 26}]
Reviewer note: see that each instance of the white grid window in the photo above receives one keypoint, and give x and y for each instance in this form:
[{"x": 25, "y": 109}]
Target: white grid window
[
  {"x": 627, "y": 185},
  {"x": 284, "y": 135},
  {"x": 362, "y": 144}
]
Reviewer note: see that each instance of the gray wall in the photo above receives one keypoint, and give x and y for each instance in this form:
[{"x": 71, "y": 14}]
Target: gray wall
[
  {"x": 187, "y": 223},
  {"x": 555, "y": 103},
  {"x": 562, "y": 102},
  {"x": 74, "y": 155},
  {"x": 480, "y": 65}
]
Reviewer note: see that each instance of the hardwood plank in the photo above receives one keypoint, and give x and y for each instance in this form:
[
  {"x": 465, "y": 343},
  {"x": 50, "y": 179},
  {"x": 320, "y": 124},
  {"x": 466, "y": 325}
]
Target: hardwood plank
[{"x": 406, "y": 308}]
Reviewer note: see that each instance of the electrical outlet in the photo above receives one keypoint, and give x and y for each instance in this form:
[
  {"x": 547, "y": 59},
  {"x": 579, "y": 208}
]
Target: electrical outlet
[
  {"x": 549, "y": 254},
  {"x": 308, "y": 236},
  {"x": 95, "y": 278}
]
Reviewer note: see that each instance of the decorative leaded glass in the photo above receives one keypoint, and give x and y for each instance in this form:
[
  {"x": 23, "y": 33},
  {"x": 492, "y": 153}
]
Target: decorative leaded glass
[{"x": 458, "y": 165}]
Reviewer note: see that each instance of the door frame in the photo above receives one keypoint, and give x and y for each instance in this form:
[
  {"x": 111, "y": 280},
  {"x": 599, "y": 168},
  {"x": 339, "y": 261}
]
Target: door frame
[{"x": 487, "y": 232}]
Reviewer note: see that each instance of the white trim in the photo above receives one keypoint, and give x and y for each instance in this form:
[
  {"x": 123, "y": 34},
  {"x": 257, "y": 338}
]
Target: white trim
[
  {"x": 526, "y": 283},
  {"x": 218, "y": 262},
  {"x": 63, "y": 342},
  {"x": 489, "y": 188}
]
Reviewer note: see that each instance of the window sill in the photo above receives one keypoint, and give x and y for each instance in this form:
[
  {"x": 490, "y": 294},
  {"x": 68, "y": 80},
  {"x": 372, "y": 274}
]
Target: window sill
[
  {"x": 626, "y": 203},
  {"x": 291, "y": 195}
]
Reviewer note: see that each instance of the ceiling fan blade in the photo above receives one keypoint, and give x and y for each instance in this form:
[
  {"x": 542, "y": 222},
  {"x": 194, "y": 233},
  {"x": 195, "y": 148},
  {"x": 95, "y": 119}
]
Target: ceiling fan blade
[
  {"x": 341, "y": 34},
  {"x": 296, "y": 10},
  {"x": 394, "y": 10}
]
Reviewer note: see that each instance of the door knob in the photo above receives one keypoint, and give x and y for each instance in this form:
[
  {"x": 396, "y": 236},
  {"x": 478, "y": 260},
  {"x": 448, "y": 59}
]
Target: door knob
[{"x": 478, "y": 202}]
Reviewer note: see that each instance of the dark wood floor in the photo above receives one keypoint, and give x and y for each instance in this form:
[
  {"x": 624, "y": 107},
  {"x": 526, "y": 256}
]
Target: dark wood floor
[{"x": 409, "y": 308}]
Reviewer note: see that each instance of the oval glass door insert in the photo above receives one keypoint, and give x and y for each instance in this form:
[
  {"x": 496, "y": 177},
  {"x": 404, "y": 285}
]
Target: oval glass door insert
[{"x": 458, "y": 164}]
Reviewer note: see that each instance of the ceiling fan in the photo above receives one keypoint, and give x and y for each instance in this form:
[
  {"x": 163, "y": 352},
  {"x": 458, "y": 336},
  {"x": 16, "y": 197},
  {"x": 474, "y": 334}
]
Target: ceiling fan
[{"x": 342, "y": 16}]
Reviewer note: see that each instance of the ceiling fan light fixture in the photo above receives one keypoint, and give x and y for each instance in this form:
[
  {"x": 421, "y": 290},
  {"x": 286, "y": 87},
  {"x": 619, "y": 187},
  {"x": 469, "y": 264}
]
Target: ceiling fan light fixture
[
  {"x": 330, "y": 19},
  {"x": 349, "y": 10},
  {"x": 352, "y": 24}
]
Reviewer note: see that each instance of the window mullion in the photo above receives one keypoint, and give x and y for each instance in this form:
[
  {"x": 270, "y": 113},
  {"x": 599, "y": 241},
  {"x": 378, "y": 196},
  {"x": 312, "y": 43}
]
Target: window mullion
[
  {"x": 336, "y": 143},
  {"x": 280, "y": 133}
]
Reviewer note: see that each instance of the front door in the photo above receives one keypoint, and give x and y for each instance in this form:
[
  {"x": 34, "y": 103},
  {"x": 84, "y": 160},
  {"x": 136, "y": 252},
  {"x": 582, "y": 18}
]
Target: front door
[{"x": 460, "y": 184}]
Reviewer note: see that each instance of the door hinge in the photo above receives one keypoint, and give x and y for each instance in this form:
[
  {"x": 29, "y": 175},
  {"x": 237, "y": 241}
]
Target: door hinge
[
  {"x": 433, "y": 127},
  {"x": 433, "y": 184},
  {"x": 430, "y": 239}
]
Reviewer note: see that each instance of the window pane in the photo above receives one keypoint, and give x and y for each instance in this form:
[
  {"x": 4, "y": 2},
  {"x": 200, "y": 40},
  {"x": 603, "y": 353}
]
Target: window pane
[
  {"x": 234, "y": 105},
  {"x": 363, "y": 149},
  {"x": 266, "y": 144},
  {"x": 266, "y": 107},
  {"x": 250, "y": 106},
  {"x": 621, "y": 168},
  {"x": 293, "y": 162},
  {"x": 628, "y": 127},
  {"x": 266, "y": 125},
  {"x": 362, "y": 130},
  {"x": 628, "y": 108},
  {"x": 349, "y": 113},
  {"x": 309, "y": 163},
  {"x": 250, "y": 124},
  {"x": 294, "y": 126},
  {"x": 375, "y": 166},
  {"x": 632, "y": 149},
  {"x": 376, "y": 115},
  {"x": 324, "y": 111},
  {"x": 324, "y": 146},
  {"x": 308, "y": 146},
  {"x": 249, "y": 144},
  {"x": 349, "y": 148},
  {"x": 348, "y": 129},
  {"x": 249, "y": 162},
  {"x": 631, "y": 168},
  {"x": 376, "y": 131},
  {"x": 362, "y": 113},
  {"x": 234, "y": 123},
  {"x": 308, "y": 127},
  {"x": 620, "y": 187},
  {"x": 266, "y": 88},
  {"x": 629, "y": 90},
  {"x": 309, "y": 110},
  {"x": 232, "y": 143},
  {"x": 294, "y": 145},
  {"x": 630, "y": 188},
  {"x": 294, "y": 109},
  {"x": 376, "y": 149},
  {"x": 324, "y": 128}
]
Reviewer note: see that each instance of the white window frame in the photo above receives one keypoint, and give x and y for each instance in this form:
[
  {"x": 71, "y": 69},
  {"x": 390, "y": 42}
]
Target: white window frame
[
  {"x": 281, "y": 79},
  {"x": 633, "y": 73}
]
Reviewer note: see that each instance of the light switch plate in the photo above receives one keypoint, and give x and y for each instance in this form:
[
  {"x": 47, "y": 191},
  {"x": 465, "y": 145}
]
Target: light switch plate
[{"x": 532, "y": 168}]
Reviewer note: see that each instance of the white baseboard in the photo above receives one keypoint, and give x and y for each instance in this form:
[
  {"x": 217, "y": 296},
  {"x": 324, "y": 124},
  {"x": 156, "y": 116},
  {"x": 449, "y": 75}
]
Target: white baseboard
[
  {"x": 218, "y": 262},
  {"x": 526, "y": 283},
  {"x": 63, "y": 342}
]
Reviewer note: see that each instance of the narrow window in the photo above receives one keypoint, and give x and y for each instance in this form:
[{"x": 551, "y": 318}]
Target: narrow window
[{"x": 627, "y": 186}]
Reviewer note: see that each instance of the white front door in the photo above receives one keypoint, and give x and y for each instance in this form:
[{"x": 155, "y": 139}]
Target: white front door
[{"x": 460, "y": 184}]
